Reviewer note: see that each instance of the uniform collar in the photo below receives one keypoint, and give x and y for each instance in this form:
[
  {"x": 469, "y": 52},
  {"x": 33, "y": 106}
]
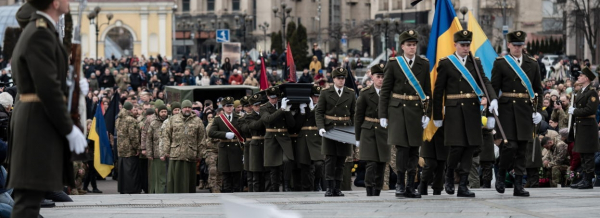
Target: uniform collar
[{"x": 52, "y": 21}]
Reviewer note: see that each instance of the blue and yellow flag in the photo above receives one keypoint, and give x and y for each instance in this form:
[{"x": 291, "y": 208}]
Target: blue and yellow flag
[
  {"x": 103, "y": 156},
  {"x": 441, "y": 44},
  {"x": 481, "y": 46}
]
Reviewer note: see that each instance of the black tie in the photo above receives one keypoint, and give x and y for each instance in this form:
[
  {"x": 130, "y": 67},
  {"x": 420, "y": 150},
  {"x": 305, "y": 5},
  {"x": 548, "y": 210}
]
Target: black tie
[
  {"x": 518, "y": 61},
  {"x": 229, "y": 117},
  {"x": 410, "y": 62},
  {"x": 463, "y": 60},
  {"x": 339, "y": 91}
]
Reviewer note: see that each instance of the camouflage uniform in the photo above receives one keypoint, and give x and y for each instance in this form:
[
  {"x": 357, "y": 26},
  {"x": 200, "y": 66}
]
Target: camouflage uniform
[
  {"x": 144, "y": 162},
  {"x": 558, "y": 161},
  {"x": 128, "y": 145},
  {"x": 392, "y": 163},
  {"x": 158, "y": 173},
  {"x": 79, "y": 170},
  {"x": 210, "y": 153}
]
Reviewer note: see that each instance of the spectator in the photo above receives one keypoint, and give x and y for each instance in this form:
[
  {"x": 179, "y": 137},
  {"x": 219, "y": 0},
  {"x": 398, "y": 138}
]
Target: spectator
[
  {"x": 559, "y": 112},
  {"x": 251, "y": 79},
  {"x": 560, "y": 72},
  {"x": 93, "y": 83},
  {"x": 107, "y": 80},
  {"x": 317, "y": 52},
  {"x": 205, "y": 79},
  {"x": 188, "y": 79},
  {"x": 237, "y": 66},
  {"x": 332, "y": 65},
  {"x": 214, "y": 78},
  {"x": 4, "y": 78},
  {"x": 556, "y": 160},
  {"x": 273, "y": 59},
  {"x": 227, "y": 67},
  {"x": 306, "y": 77},
  {"x": 326, "y": 60},
  {"x": 541, "y": 66},
  {"x": 315, "y": 64},
  {"x": 163, "y": 76},
  {"x": 135, "y": 80},
  {"x": 154, "y": 83},
  {"x": 235, "y": 77},
  {"x": 275, "y": 79},
  {"x": 575, "y": 68},
  {"x": 320, "y": 79}
]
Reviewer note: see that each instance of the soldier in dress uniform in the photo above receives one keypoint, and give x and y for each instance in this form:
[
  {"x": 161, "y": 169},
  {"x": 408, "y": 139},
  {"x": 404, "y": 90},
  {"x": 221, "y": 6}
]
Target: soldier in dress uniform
[
  {"x": 278, "y": 145},
  {"x": 517, "y": 77},
  {"x": 458, "y": 88},
  {"x": 335, "y": 107},
  {"x": 370, "y": 134},
  {"x": 584, "y": 127},
  {"x": 226, "y": 128},
  {"x": 308, "y": 149},
  {"x": 404, "y": 94},
  {"x": 248, "y": 138},
  {"x": 257, "y": 145}
]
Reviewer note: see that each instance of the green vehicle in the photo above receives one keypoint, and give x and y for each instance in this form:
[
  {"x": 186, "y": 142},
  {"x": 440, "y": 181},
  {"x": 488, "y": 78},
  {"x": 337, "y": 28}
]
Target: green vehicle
[{"x": 201, "y": 93}]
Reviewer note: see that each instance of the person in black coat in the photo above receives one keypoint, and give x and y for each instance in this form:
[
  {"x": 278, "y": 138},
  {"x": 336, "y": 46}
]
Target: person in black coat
[
  {"x": 135, "y": 80},
  {"x": 107, "y": 80},
  {"x": 227, "y": 68},
  {"x": 306, "y": 77}
]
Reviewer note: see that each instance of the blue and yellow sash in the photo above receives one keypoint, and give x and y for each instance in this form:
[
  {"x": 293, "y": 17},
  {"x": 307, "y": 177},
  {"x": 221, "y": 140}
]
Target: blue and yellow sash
[
  {"x": 466, "y": 74},
  {"x": 411, "y": 77},
  {"x": 525, "y": 80}
]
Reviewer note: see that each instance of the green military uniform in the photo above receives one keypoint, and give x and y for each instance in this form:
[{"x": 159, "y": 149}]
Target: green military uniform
[
  {"x": 257, "y": 147},
  {"x": 230, "y": 151},
  {"x": 79, "y": 170},
  {"x": 128, "y": 143},
  {"x": 145, "y": 176},
  {"x": 158, "y": 167},
  {"x": 183, "y": 136},
  {"x": 210, "y": 153},
  {"x": 372, "y": 136},
  {"x": 336, "y": 106},
  {"x": 558, "y": 159},
  {"x": 243, "y": 123},
  {"x": 308, "y": 149}
]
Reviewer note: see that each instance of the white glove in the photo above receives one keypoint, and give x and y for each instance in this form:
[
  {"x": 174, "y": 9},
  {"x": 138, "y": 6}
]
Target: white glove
[
  {"x": 491, "y": 123},
  {"x": 383, "y": 122},
  {"x": 537, "y": 118},
  {"x": 571, "y": 109},
  {"x": 425, "y": 121},
  {"x": 494, "y": 107},
  {"x": 322, "y": 132},
  {"x": 229, "y": 135},
  {"x": 284, "y": 104},
  {"x": 84, "y": 86},
  {"x": 357, "y": 144},
  {"x": 438, "y": 123},
  {"x": 303, "y": 108},
  {"x": 77, "y": 141},
  {"x": 311, "y": 105}
]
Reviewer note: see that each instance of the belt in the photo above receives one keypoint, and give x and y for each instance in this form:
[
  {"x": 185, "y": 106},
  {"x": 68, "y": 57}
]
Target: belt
[
  {"x": 336, "y": 118},
  {"x": 374, "y": 120},
  {"x": 29, "y": 98},
  {"x": 515, "y": 95},
  {"x": 276, "y": 130},
  {"x": 258, "y": 137},
  {"x": 248, "y": 139},
  {"x": 590, "y": 116},
  {"x": 228, "y": 140},
  {"x": 293, "y": 135},
  {"x": 309, "y": 128},
  {"x": 461, "y": 96},
  {"x": 406, "y": 97}
]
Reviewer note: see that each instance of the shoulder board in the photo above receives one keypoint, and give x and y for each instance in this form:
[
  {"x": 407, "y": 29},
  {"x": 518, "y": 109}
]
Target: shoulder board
[
  {"x": 41, "y": 23},
  {"x": 533, "y": 59},
  {"x": 444, "y": 58},
  {"x": 499, "y": 58},
  {"x": 392, "y": 58},
  {"x": 264, "y": 104},
  {"x": 424, "y": 58},
  {"x": 365, "y": 88},
  {"x": 350, "y": 89},
  {"x": 325, "y": 88},
  {"x": 476, "y": 58}
]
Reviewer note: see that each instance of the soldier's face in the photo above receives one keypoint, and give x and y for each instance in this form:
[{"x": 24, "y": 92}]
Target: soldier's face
[
  {"x": 134, "y": 112},
  {"x": 339, "y": 81},
  {"x": 163, "y": 114},
  {"x": 515, "y": 50},
  {"x": 549, "y": 144},
  {"x": 582, "y": 79},
  {"x": 315, "y": 99},
  {"x": 409, "y": 48},
  {"x": 228, "y": 109},
  {"x": 186, "y": 111},
  {"x": 462, "y": 48},
  {"x": 248, "y": 109},
  {"x": 176, "y": 111},
  {"x": 256, "y": 108},
  {"x": 377, "y": 80}
]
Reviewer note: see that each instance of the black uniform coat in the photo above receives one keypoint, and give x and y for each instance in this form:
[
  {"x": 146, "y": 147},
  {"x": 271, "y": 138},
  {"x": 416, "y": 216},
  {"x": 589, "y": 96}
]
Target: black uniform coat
[
  {"x": 230, "y": 153},
  {"x": 245, "y": 131},
  {"x": 404, "y": 116},
  {"x": 331, "y": 104},
  {"x": 40, "y": 158},
  {"x": 462, "y": 118},
  {"x": 533, "y": 160},
  {"x": 257, "y": 146},
  {"x": 515, "y": 113},
  {"x": 487, "y": 148},
  {"x": 277, "y": 143},
  {"x": 435, "y": 148},
  {"x": 308, "y": 147},
  {"x": 586, "y": 128},
  {"x": 373, "y": 138}
]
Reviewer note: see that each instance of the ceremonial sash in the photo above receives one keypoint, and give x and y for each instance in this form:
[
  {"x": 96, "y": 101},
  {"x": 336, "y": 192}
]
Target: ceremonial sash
[
  {"x": 232, "y": 128},
  {"x": 466, "y": 74},
  {"x": 525, "y": 80},
  {"x": 411, "y": 77}
]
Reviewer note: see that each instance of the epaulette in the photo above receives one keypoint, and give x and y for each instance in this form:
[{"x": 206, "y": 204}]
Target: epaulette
[
  {"x": 499, "y": 58},
  {"x": 365, "y": 88},
  {"x": 476, "y": 58},
  {"x": 263, "y": 104},
  {"x": 350, "y": 89},
  {"x": 444, "y": 58},
  {"x": 392, "y": 58},
  {"x": 532, "y": 58},
  {"x": 41, "y": 23},
  {"x": 325, "y": 88},
  {"x": 424, "y": 58}
]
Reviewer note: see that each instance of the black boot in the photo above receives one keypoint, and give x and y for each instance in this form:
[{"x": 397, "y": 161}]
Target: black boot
[
  {"x": 423, "y": 188},
  {"x": 330, "y": 187},
  {"x": 286, "y": 186},
  {"x": 369, "y": 191},
  {"x": 449, "y": 184},
  {"x": 410, "y": 187},
  {"x": 519, "y": 190},
  {"x": 463, "y": 191},
  {"x": 437, "y": 192},
  {"x": 376, "y": 192},
  {"x": 337, "y": 192},
  {"x": 576, "y": 185},
  {"x": 400, "y": 185},
  {"x": 587, "y": 182},
  {"x": 487, "y": 184},
  {"x": 318, "y": 185},
  {"x": 500, "y": 181}
]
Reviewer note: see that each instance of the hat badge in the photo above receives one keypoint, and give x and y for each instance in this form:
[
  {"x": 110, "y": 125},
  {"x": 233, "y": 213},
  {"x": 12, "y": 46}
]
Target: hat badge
[
  {"x": 381, "y": 65},
  {"x": 411, "y": 32},
  {"x": 518, "y": 34},
  {"x": 228, "y": 98},
  {"x": 319, "y": 88},
  {"x": 341, "y": 69},
  {"x": 255, "y": 96},
  {"x": 272, "y": 89},
  {"x": 465, "y": 32}
]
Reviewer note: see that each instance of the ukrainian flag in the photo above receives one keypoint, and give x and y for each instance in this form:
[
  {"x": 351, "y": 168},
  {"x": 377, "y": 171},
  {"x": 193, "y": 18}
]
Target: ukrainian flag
[
  {"x": 481, "y": 46},
  {"x": 103, "y": 157},
  {"x": 441, "y": 44}
]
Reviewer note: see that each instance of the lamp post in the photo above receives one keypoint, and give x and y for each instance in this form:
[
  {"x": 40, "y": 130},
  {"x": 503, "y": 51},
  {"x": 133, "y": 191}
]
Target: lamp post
[
  {"x": 463, "y": 10},
  {"x": 284, "y": 14},
  {"x": 92, "y": 17},
  {"x": 264, "y": 27},
  {"x": 247, "y": 19},
  {"x": 383, "y": 26}
]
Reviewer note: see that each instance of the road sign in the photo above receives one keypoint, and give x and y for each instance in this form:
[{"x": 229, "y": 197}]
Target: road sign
[
  {"x": 344, "y": 41},
  {"x": 504, "y": 30},
  {"x": 222, "y": 35}
]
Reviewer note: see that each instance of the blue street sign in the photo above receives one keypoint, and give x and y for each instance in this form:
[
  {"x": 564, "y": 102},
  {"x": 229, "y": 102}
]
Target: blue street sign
[
  {"x": 223, "y": 35},
  {"x": 344, "y": 41}
]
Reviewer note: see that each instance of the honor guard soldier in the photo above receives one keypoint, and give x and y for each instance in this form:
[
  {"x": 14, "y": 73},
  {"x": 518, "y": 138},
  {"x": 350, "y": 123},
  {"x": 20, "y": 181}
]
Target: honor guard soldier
[
  {"x": 248, "y": 138},
  {"x": 278, "y": 145},
  {"x": 404, "y": 94},
  {"x": 257, "y": 145},
  {"x": 370, "y": 134},
  {"x": 584, "y": 126},
  {"x": 517, "y": 77},
  {"x": 308, "y": 149},
  {"x": 458, "y": 88},
  {"x": 335, "y": 107},
  {"x": 226, "y": 128}
]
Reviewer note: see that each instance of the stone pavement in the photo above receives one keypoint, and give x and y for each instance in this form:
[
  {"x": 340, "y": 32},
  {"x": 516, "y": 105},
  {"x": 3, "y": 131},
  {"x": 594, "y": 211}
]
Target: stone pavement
[{"x": 545, "y": 202}]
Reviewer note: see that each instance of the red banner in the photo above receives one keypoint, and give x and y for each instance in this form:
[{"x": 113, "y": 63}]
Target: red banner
[
  {"x": 264, "y": 82},
  {"x": 290, "y": 63}
]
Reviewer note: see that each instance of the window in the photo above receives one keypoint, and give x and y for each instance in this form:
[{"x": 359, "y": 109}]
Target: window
[
  {"x": 396, "y": 4},
  {"x": 235, "y": 5},
  {"x": 185, "y": 5},
  {"x": 210, "y": 5},
  {"x": 384, "y": 5}
]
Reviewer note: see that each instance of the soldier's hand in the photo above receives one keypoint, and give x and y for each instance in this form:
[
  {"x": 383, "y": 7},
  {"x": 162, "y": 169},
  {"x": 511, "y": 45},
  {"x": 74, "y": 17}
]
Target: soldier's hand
[
  {"x": 383, "y": 122},
  {"x": 425, "y": 122},
  {"x": 162, "y": 158},
  {"x": 77, "y": 141},
  {"x": 284, "y": 103},
  {"x": 311, "y": 104},
  {"x": 357, "y": 144},
  {"x": 144, "y": 152},
  {"x": 494, "y": 107},
  {"x": 303, "y": 108},
  {"x": 229, "y": 135},
  {"x": 438, "y": 123},
  {"x": 322, "y": 132},
  {"x": 491, "y": 123},
  {"x": 571, "y": 109},
  {"x": 537, "y": 118}
]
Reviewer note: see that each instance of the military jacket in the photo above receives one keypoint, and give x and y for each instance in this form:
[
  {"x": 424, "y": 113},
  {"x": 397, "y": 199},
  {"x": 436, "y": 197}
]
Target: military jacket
[
  {"x": 257, "y": 150},
  {"x": 144, "y": 130},
  {"x": 334, "y": 110},
  {"x": 373, "y": 138},
  {"x": 210, "y": 144},
  {"x": 585, "y": 127},
  {"x": 230, "y": 152},
  {"x": 183, "y": 137},
  {"x": 153, "y": 145},
  {"x": 128, "y": 130},
  {"x": 308, "y": 148},
  {"x": 277, "y": 144},
  {"x": 558, "y": 155}
]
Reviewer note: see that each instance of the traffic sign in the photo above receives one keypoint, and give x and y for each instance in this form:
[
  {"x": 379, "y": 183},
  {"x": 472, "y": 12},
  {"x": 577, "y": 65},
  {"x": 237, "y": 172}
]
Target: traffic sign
[
  {"x": 222, "y": 35},
  {"x": 344, "y": 41},
  {"x": 504, "y": 30}
]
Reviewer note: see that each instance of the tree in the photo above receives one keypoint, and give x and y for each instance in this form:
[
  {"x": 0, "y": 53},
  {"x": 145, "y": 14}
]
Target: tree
[
  {"x": 529, "y": 48},
  {"x": 276, "y": 42},
  {"x": 583, "y": 19},
  {"x": 291, "y": 28},
  {"x": 300, "y": 47}
]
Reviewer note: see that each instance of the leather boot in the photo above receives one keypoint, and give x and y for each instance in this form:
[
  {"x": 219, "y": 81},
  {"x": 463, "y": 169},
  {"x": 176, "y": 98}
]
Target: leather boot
[
  {"x": 449, "y": 184},
  {"x": 46, "y": 203},
  {"x": 330, "y": 187},
  {"x": 463, "y": 191},
  {"x": 286, "y": 186},
  {"x": 423, "y": 188},
  {"x": 317, "y": 186},
  {"x": 500, "y": 187},
  {"x": 487, "y": 184},
  {"x": 519, "y": 190},
  {"x": 410, "y": 187},
  {"x": 376, "y": 192},
  {"x": 576, "y": 185},
  {"x": 400, "y": 185},
  {"x": 337, "y": 192},
  {"x": 587, "y": 182},
  {"x": 369, "y": 191},
  {"x": 597, "y": 181}
]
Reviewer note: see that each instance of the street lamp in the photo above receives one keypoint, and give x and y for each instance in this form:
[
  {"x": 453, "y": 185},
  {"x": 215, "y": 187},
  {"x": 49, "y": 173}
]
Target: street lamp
[
  {"x": 383, "y": 26},
  {"x": 284, "y": 14},
  {"x": 92, "y": 17},
  {"x": 246, "y": 21},
  {"x": 264, "y": 27}
]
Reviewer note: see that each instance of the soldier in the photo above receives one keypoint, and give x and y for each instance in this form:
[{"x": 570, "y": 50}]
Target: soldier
[
  {"x": 335, "y": 107},
  {"x": 183, "y": 135},
  {"x": 308, "y": 149},
  {"x": 129, "y": 149},
  {"x": 175, "y": 108},
  {"x": 278, "y": 145},
  {"x": 556, "y": 160},
  {"x": 458, "y": 89},
  {"x": 210, "y": 153},
  {"x": 257, "y": 145},
  {"x": 79, "y": 171},
  {"x": 517, "y": 76},
  {"x": 404, "y": 104},
  {"x": 370, "y": 134},
  {"x": 245, "y": 131},
  {"x": 487, "y": 157},
  {"x": 158, "y": 168},
  {"x": 584, "y": 128},
  {"x": 147, "y": 117}
]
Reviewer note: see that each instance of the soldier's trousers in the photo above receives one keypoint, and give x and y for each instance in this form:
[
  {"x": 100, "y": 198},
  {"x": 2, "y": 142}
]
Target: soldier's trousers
[
  {"x": 407, "y": 159},
  {"x": 556, "y": 173},
  {"x": 258, "y": 181},
  {"x": 249, "y": 178},
  {"x": 486, "y": 170},
  {"x": 474, "y": 181},
  {"x": 334, "y": 167},
  {"x": 434, "y": 172},
  {"x": 144, "y": 174},
  {"x": 275, "y": 173},
  {"x": 27, "y": 203},
  {"x": 462, "y": 155},
  {"x": 374, "y": 174},
  {"x": 159, "y": 176},
  {"x": 512, "y": 154},
  {"x": 307, "y": 177},
  {"x": 392, "y": 164},
  {"x": 214, "y": 176},
  {"x": 587, "y": 162},
  {"x": 231, "y": 182}
]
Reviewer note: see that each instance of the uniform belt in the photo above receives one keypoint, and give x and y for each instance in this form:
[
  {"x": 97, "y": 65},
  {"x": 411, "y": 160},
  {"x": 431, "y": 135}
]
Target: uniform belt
[
  {"x": 248, "y": 139},
  {"x": 228, "y": 140},
  {"x": 258, "y": 137},
  {"x": 370, "y": 119},
  {"x": 276, "y": 130},
  {"x": 336, "y": 118},
  {"x": 309, "y": 128},
  {"x": 461, "y": 96},
  {"x": 406, "y": 97},
  {"x": 293, "y": 135},
  {"x": 515, "y": 95},
  {"x": 29, "y": 98},
  {"x": 590, "y": 116}
]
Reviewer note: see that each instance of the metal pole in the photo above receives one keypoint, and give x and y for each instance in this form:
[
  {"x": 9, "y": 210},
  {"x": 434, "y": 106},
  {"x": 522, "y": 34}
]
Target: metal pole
[
  {"x": 504, "y": 23},
  {"x": 319, "y": 24},
  {"x": 97, "y": 32}
]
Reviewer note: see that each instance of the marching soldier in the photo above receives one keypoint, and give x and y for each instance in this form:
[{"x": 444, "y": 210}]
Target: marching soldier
[
  {"x": 458, "y": 89},
  {"x": 404, "y": 95},
  {"x": 584, "y": 127},
  {"x": 278, "y": 145},
  {"x": 370, "y": 134},
  {"x": 308, "y": 149},
  {"x": 226, "y": 128},
  {"x": 335, "y": 107},
  {"x": 243, "y": 121},
  {"x": 517, "y": 77},
  {"x": 129, "y": 149},
  {"x": 158, "y": 166},
  {"x": 257, "y": 145}
]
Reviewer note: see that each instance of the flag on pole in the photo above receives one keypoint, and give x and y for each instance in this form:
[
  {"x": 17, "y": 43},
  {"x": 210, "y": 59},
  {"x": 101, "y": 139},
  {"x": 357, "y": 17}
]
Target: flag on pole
[
  {"x": 441, "y": 44},
  {"x": 350, "y": 80},
  {"x": 481, "y": 46},
  {"x": 110, "y": 115},
  {"x": 264, "y": 82},
  {"x": 103, "y": 156},
  {"x": 291, "y": 65}
]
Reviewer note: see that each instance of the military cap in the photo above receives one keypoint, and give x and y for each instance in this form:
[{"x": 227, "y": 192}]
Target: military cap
[
  {"x": 186, "y": 103},
  {"x": 161, "y": 107},
  {"x": 408, "y": 36},
  {"x": 516, "y": 37},
  {"x": 149, "y": 111},
  {"x": 24, "y": 14},
  {"x": 587, "y": 72},
  {"x": 316, "y": 91},
  {"x": 255, "y": 99},
  {"x": 159, "y": 102},
  {"x": 244, "y": 101},
  {"x": 128, "y": 106},
  {"x": 175, "y": 105},
  {"x": 273, "y": 92},
  {"x": 463, "y": 37},
  {"x": 228, "y": 101},
  {"x": 40, "y": 5},
  {"x": 237, "y": 103},
  {"x": 377, "y": 69},
  {"x": 339, "y": 72}
]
